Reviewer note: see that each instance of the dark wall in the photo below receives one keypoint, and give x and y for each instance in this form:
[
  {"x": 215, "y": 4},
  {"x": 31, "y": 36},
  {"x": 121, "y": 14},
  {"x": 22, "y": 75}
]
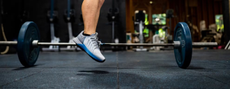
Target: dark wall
[
  {"x": 226, "y": 21},
  {"x": 19, "y": 11},
  {"x": 10, "y": 18}
]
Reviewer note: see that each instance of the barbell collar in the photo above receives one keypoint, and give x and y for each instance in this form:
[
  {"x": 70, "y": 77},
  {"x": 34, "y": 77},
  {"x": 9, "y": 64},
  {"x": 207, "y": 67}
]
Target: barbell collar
[
  {"x": 177, "y": 44},
  {"x": 35, "y": 43}
]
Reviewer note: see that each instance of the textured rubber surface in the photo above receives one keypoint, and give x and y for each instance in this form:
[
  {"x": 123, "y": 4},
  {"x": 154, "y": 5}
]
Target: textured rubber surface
[{"x": 209, "y": 69}]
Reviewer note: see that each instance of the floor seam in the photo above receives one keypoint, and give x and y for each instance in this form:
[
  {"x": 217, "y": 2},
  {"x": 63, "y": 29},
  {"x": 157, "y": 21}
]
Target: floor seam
[
  {"x": 118, "y": 84},
  {"x": 211, "y": 78},
  {"x": 215, "y": 79},
  {"x": 20, "y": 79}
]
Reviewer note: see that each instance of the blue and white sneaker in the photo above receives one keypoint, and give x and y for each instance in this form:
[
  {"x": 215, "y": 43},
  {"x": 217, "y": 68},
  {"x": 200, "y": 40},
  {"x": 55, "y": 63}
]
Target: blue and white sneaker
[{"x": 90, "y": 45}]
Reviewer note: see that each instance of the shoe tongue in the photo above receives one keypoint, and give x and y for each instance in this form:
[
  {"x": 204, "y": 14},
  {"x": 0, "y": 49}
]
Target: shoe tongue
[{"x": 94, "y": 34}]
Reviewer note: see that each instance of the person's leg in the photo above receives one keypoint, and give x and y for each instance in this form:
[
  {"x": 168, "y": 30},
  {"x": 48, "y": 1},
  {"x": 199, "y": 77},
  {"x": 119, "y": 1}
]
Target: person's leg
[
  {"x": 98, "y": 13},
  {"x": 87, "y": 40},
  {"x": 90, "y": 13}
]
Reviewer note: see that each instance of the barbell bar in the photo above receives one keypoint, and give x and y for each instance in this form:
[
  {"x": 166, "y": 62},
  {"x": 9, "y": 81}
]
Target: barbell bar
[
  {"x": 28, "y": 45},
  {"x": 175, "y": 44}
]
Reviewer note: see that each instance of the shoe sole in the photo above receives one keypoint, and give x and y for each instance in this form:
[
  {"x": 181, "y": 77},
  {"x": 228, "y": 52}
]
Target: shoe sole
[{"x": 88, "y": 53}]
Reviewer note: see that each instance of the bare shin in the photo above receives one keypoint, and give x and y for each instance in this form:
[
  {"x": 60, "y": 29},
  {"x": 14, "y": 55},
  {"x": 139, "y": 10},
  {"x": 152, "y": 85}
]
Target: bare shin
[{"x": 91, "y": 12}]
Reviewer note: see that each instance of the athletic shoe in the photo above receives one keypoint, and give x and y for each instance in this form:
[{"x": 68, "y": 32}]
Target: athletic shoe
[{"x": 90, "y": 45}]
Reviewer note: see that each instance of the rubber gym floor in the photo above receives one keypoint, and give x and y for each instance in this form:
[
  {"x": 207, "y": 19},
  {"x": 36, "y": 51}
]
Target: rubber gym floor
[{"x": 209, "y": 69}]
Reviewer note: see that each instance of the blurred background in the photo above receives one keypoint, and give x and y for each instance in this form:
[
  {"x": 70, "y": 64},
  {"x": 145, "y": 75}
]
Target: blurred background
[{"x": 208, "y": 19}]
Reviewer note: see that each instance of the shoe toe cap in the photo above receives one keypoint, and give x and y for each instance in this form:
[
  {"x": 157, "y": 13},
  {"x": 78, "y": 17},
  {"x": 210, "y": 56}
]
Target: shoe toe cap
[{"x": 99, "y": 55}]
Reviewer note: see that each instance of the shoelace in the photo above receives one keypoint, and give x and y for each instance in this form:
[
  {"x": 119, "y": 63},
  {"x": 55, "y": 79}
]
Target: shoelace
[{"x": 95, "y": 42}]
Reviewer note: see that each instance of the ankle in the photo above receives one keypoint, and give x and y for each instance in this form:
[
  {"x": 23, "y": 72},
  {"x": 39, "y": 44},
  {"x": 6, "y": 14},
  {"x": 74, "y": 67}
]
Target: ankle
[
  {"x": 85, "y": 34},
  {"x": 89, "y": 32}
]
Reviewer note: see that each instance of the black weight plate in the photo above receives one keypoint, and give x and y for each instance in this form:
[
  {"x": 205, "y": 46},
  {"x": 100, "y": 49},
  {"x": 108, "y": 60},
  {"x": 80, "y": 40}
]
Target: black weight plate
[
  {"x": 26, "y": 52},
  {"x": 183, "y": 54}
]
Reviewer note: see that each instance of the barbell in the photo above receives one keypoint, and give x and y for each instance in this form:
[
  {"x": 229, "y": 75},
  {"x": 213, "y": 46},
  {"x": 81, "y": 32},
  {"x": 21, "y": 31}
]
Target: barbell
[{"x": 28, "y": 45}]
